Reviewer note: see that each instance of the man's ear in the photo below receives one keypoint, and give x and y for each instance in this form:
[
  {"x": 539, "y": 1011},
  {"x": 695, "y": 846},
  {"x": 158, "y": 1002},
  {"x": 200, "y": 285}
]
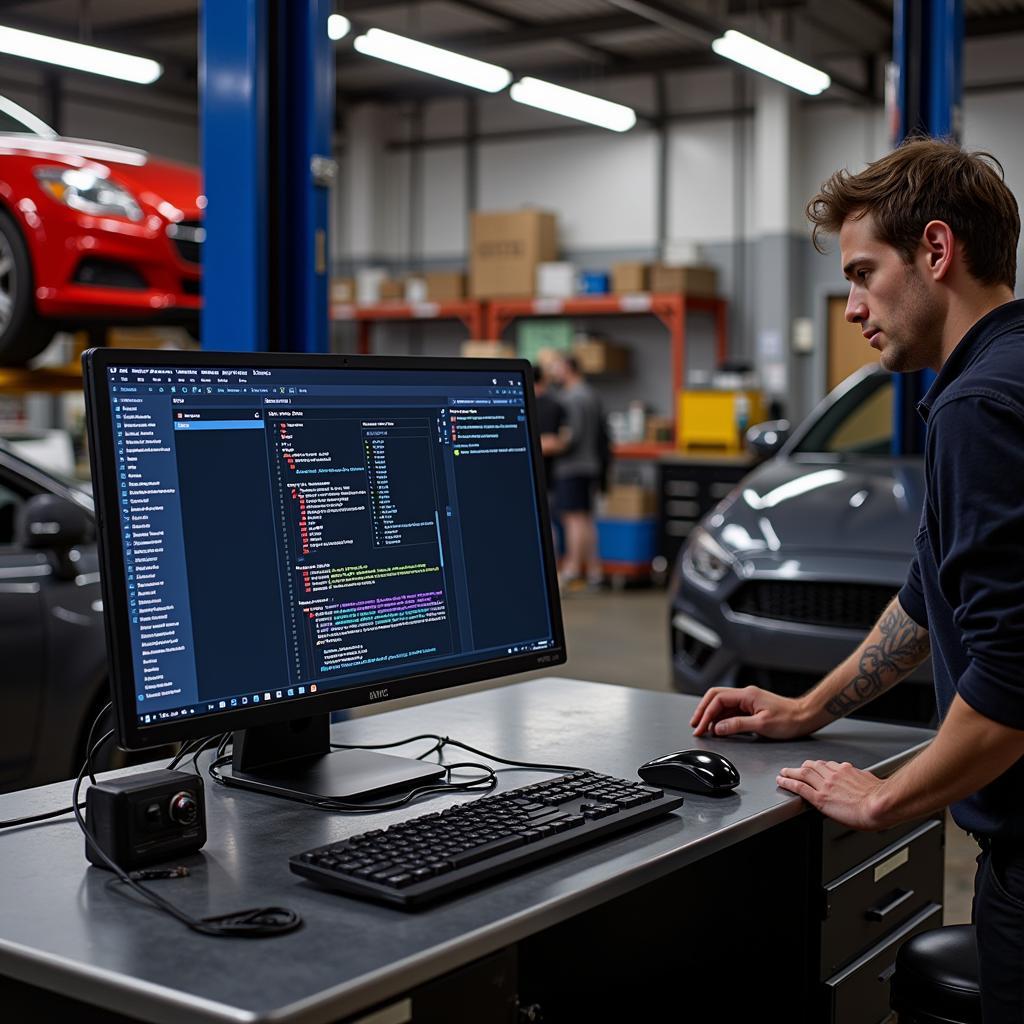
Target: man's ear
[{"x": 939, "y": 245}]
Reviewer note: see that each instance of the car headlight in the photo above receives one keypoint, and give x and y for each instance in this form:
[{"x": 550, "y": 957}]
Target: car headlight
[
  {"x": 705, "y": 561},
  {"x": 88, "y": 192}
]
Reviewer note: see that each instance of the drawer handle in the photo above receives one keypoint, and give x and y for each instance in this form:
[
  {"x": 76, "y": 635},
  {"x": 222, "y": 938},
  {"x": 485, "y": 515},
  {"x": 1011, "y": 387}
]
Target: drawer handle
[{"x": 881, "y": 913}]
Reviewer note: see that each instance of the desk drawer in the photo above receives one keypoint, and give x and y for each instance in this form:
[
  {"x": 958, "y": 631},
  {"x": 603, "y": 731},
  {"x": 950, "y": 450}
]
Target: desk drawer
[
  {"x": 867, "y": 903},
  {"x": 860, "y": 993},
  {"x": 844, "y": 848}
]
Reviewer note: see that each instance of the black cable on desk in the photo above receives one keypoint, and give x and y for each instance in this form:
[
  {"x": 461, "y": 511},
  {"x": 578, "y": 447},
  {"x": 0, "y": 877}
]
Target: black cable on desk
[{"x": 253, "y": 923}]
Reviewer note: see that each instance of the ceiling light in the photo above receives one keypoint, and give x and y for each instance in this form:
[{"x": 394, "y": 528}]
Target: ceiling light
[
  {"x": 338, "y": 26},
  {"x": 78, "y": 56},
  {"x": 569, "y": 103},
  {"x": 783, "y": 68},
  {"x": 432, "y": 60}
]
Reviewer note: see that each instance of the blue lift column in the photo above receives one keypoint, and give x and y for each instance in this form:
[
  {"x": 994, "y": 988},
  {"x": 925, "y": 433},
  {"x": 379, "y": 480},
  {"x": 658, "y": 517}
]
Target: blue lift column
[
  {"x": 267, "y": 103},
  {"x": 928, "y": 38}
]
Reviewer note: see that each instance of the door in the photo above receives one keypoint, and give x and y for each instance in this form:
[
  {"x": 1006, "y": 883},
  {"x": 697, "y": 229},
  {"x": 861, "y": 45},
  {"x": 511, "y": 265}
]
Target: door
[{"x": 847, "y": 349}]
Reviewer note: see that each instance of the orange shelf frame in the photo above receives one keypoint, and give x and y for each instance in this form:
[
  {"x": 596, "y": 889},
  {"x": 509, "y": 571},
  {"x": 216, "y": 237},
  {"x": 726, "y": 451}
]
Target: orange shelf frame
[
  {"x": 670, "y": 308},
  {"x": 470, "y": 312}
]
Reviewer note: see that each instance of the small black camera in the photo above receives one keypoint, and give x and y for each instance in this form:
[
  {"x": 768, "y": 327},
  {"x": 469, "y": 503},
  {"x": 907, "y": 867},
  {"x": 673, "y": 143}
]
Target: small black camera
[{"x": 143, "y": 819}]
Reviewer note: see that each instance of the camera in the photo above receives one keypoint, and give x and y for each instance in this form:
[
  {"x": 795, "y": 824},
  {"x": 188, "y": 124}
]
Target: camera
[{"x": 143, "y": 819}]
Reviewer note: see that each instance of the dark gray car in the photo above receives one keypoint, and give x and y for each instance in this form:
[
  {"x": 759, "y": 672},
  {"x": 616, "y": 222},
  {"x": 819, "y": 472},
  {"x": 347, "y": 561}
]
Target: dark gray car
[
  {"x": 54, "y": 675},
  {"x": 782, "y": 580}
]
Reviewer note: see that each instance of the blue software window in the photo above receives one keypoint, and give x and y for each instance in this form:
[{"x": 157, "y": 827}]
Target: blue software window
[{"x": 287, "y": 532}]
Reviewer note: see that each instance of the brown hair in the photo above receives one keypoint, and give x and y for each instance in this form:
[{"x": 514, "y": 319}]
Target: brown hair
[{"x": 923, "y": 180}]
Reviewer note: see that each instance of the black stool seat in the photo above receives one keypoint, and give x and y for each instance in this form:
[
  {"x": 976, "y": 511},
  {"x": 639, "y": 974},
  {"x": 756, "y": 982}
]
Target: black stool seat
[{"x": 936, "y": 978}]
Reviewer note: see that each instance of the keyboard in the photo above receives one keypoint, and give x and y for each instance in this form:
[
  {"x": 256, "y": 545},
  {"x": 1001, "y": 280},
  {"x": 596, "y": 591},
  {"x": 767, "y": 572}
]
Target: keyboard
[{"x": 428, "y": 858}]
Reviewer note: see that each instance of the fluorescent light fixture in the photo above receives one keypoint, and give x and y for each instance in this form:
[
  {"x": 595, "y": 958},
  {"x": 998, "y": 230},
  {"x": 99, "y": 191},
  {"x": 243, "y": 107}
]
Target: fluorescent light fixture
[
  {"x": 78, "y": 56},
  {"x": 338, "y": 26},
  {"x": 535, "y": 92},
  {"x": 432, "y": 60},
  {"x": 783, "y": 68}
]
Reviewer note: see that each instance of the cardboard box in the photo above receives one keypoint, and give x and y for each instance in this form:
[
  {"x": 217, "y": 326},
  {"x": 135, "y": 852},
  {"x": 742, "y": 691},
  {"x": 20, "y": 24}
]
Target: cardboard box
[
  {"x": 630, "y": 501},
  {"x": 596, "y": 356},
  {"x": 445, "y": 285},
  {"x": 504, "y": 250},
  {"x": 556, "y": 280},
  {"x": 630, "y": 277},
  {"x": 391, "y": 290},
  {"x": 343, "y": 290},
  {"x": 488, "y": 350},
  {"x": 691, "y": 280}
]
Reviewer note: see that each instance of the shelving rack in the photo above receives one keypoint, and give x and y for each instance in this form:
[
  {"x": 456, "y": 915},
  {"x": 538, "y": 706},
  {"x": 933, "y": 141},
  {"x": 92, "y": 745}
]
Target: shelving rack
[{"x": 469, "y": 311}]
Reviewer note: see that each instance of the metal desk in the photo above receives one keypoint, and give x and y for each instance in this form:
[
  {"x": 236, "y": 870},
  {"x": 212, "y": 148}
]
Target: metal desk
[{"x": 63, "y": 930}]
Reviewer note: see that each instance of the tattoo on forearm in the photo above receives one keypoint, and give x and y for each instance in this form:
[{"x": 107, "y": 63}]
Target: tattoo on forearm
[{"x": 903, "y": 646}]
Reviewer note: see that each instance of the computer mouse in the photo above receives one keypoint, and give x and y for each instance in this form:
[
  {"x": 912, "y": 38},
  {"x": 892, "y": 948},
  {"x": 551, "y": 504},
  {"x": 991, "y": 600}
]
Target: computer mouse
[{"x": 695, "y": 771}]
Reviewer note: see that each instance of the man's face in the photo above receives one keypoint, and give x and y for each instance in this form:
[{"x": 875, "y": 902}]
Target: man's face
[{"x": 894, "y": 302}]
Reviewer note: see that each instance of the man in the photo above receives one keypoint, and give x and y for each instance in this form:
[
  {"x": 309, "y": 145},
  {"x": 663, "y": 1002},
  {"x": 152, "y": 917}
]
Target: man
[
  {"x": 550, "y": 423},
  {"x": 576, "y": 474},
  {"x": 928, "y": 238}
]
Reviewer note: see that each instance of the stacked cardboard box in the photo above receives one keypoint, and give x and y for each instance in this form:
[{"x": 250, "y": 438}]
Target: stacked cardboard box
[
  {"x": 505, "y": 249},
  {"x": 691, "y": 280}
]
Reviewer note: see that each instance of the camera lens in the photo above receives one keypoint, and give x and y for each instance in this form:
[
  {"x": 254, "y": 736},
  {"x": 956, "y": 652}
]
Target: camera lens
[{"x": 184, "y": 810}]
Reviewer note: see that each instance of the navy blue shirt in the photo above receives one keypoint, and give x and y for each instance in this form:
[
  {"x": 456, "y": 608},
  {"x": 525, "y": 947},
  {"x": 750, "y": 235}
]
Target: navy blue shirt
[{"x": 966, "y": 582}]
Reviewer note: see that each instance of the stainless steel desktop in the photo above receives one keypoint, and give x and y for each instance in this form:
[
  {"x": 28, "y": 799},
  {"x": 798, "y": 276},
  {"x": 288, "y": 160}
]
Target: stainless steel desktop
[{"x": 64, "y": 928}]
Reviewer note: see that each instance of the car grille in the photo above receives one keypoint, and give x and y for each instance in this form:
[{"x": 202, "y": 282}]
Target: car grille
[
  {"x": 188, "y": 237},
  {"x": 845, "y": 605}
]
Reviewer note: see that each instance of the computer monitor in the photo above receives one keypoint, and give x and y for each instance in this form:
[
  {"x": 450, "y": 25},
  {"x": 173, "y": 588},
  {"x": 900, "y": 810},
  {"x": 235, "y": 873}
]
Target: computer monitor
[{"x": 283, "y": 536}]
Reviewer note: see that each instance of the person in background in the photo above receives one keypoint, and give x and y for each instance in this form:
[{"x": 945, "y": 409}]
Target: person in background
[
  {"x": 577, "y": 472},
  {"x": 550, "y": 424}
]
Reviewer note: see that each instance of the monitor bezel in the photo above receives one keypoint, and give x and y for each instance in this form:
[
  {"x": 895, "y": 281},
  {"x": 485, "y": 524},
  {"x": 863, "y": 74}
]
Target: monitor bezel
[{"x": 129, "y": 733}]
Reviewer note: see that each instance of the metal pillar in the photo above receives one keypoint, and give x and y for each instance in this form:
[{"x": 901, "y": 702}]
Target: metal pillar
[
  {"x": 267, "y": 93},
  {"x": 927, "y": 74}
]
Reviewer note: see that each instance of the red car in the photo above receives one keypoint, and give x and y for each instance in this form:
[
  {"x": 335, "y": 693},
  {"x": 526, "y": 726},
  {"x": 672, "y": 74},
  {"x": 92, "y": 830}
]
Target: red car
[{"x": 91, "y": 234}]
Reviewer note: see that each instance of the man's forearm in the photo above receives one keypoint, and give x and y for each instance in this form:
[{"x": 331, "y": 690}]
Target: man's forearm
[
  {"x": 890, "y": 652},
  {"x": 968, "y": 752}
]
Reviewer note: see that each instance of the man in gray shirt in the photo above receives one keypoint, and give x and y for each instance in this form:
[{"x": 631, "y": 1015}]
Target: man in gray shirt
[{"x": 576, "y": 474}]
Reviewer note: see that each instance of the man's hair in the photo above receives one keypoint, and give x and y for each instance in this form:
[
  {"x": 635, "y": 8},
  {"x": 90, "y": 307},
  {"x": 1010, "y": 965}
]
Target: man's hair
[{"x": 924, "y": 180}]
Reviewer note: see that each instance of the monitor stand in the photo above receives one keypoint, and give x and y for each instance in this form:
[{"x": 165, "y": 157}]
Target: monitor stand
[{"x": 294, "y": 760}]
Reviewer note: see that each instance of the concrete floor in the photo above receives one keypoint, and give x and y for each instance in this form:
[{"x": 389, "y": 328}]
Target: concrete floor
[{"x": 622, "y": 637}]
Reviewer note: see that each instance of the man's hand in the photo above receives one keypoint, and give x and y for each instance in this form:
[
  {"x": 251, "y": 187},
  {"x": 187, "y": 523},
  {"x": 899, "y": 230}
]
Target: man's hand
[
  {"x": 724, "y": 711},
  {"x": 840, "y": 791}
]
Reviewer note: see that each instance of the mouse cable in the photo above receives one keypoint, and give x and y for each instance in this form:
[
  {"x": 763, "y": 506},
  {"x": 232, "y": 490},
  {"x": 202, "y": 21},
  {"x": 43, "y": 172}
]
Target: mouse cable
[{"x": 253, "y": 923}]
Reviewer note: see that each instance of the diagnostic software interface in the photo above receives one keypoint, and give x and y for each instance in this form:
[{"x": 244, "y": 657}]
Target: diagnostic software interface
[{"x": 291, "y": 531}]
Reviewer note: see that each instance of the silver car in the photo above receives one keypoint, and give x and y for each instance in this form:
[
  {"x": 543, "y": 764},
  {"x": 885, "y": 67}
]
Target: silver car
[{"x": 785, "y": 576}]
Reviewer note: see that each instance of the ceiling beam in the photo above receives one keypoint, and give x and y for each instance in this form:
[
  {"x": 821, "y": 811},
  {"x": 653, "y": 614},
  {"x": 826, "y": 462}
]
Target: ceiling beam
[{"x": 515, "y": 22}]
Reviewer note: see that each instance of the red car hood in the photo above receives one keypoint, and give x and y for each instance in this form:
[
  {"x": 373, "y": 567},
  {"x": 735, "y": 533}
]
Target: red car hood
[{"x": 151, "y": 179}]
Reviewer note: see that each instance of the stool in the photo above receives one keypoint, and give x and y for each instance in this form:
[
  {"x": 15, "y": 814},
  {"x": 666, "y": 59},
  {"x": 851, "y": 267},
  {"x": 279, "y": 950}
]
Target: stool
[{"x": 936, "y": 978}]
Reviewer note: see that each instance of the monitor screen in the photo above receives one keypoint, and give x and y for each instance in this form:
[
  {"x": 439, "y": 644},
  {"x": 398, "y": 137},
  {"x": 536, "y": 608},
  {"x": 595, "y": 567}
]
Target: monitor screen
[{"x": 287, "y": 535}]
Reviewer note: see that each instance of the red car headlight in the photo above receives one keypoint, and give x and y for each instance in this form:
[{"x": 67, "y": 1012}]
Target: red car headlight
[{"x": 88, "y": 192}]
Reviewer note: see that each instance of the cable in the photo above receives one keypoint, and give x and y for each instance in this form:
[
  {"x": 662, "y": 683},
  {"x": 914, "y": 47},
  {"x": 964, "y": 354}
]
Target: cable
[
  {"x": 91, "y": 751},
  {"x": 483, "y": 784},
  {"x": 88, "y": 741},
  {"x": 255, "y": 922},
  {"x": 443, "y": 741}
]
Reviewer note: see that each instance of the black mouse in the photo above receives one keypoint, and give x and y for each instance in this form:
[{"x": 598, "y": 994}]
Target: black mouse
[{"x": 695, "y": 771}]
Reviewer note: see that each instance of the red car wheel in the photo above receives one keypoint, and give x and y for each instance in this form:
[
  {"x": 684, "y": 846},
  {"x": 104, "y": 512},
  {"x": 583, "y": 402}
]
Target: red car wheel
[{"x": 22, "y": 333}]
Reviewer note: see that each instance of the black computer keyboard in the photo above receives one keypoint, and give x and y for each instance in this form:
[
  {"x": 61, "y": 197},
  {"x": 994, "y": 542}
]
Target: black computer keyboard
[{"x": 432, "y": 856}]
